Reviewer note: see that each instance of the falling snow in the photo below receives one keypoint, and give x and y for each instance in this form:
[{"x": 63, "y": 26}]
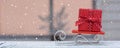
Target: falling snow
[
  {"x": 111, "y": 22},
  {"x": 13, "y": 5},
  {"x": 26, "y": 7},
  {"x": 36, "y": 38},
  {"x": 68, "y": 4},
  {"x": 25, "y": 14},
  {"x": 21, "y": 26},
  {"x": 24, "y": 17}
]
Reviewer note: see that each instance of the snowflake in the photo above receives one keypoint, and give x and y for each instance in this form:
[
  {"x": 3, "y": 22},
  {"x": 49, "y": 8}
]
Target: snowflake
[
  {"x": 36, "y": 38},
  {"x": 20, "y": 26},
  {"x": 68, "y": 4},
  {"x": 12, "y": 5},
  {"x": 25, "y": 14},
  {"x": 26, "y": 7},
  {"x": 111, "y": 22}
]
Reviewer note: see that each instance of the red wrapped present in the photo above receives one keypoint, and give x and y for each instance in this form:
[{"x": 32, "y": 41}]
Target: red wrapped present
[
  {"x": 83, "y": 25},
  {"x": 96, "y": 27},
  {"x": 83, "y": 13},
  {"x": 96, "y": 20},
  {"x": 89, "y": 20}
]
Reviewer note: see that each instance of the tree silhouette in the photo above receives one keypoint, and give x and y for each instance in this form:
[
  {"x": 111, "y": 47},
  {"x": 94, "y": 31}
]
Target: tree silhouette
[{"x": 58, "y": 20}]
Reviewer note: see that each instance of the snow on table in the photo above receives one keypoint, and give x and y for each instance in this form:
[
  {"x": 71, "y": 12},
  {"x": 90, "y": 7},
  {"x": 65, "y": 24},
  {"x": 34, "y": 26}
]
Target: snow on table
[{"x": 54, "y": 44}]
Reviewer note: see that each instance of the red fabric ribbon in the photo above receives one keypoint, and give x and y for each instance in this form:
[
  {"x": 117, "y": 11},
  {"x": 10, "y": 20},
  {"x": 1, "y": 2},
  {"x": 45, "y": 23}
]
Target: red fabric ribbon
[{"x": 90, "y": 20}]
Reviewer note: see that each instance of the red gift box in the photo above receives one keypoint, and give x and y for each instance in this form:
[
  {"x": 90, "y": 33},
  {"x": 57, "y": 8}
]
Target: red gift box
[
  {"x": 83, "y": 13},
  {"x": 83, "y": 25},
  {"x": 90, "y": 20},
  {"x": 96, "y": 27},
  {"x": 97, "y": 20}
]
